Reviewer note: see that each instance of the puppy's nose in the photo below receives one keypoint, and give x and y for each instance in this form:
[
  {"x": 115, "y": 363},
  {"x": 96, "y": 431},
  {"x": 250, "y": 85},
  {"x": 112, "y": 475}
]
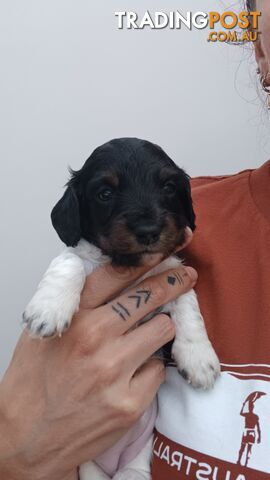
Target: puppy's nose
[{"x": 147, "y": 234}]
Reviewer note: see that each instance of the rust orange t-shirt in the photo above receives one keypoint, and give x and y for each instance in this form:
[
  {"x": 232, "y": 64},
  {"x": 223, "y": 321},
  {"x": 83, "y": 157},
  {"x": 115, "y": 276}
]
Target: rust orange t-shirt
[{"x": 224, "y": 434}]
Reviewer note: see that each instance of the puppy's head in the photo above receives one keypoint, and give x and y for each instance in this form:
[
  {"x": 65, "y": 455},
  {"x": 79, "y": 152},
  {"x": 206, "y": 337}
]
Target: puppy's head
[{"x": 129, "y": 199}]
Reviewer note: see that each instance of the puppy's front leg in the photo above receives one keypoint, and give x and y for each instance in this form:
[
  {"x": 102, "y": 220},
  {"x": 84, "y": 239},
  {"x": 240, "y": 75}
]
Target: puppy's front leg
[
  {"x": 57, "y": 298},
  {"x": 192, "y": 350}
]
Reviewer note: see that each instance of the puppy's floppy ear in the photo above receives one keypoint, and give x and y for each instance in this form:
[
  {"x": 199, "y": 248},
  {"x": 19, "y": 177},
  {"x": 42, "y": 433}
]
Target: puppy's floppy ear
[
  {"x": 65, "y": 218},
  {"x": 187, "y": 202}
]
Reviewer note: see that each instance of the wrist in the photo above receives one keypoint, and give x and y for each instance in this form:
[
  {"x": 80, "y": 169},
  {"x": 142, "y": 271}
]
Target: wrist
[{"x": 15, "y": 456}]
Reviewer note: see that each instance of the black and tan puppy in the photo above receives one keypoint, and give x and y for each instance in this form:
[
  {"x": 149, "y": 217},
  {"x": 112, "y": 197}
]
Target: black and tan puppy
[{"x": 128, "y": 200}]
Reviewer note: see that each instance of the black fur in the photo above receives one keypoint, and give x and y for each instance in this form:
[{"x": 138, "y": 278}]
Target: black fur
[{"x": 124, "y": 201}]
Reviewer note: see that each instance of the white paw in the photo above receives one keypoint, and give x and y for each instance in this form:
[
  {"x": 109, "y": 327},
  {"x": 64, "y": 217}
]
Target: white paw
[
  {"x": 197, "y": 362},
  {"x": 47, "y": 318}
]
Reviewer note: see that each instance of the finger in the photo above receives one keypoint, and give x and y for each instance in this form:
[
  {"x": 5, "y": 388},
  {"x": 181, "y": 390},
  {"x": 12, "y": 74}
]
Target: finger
[
  {"x": 106, "y": 282},
  {"x": 126, "y": 310},
  {"x": 144, "y": 341},
  {"x": 146, "y": 382}
]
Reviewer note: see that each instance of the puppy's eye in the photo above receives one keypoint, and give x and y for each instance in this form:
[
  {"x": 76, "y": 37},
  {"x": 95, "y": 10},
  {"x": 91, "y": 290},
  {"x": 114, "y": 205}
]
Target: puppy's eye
[
  {"x": 105, "y": 195},
  {"x": 169, "y": 187}
]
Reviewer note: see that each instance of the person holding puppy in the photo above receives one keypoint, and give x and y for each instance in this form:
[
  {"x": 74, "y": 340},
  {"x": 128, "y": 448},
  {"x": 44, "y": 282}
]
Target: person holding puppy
[{"x": 212, "y": 434}]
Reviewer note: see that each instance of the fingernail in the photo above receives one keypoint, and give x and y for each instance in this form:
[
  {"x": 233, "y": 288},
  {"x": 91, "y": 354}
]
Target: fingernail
[
  {"x": 192, "y": 273},
  {"x": 188, "y": 232}
]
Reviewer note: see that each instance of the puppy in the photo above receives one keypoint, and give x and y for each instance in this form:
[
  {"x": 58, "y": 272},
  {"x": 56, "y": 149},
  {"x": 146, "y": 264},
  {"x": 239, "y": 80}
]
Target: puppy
[{"x": 128, "y": 200}]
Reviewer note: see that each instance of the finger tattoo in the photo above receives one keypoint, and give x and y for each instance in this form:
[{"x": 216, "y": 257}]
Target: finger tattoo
[
  {"x": 141, "y": 295},
  {"x": 171, "y": 279},
  {"x": 121, "y": 310}
]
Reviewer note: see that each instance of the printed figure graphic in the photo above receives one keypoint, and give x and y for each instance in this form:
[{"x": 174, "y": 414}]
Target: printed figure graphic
[{"x": 252, "y": 430}]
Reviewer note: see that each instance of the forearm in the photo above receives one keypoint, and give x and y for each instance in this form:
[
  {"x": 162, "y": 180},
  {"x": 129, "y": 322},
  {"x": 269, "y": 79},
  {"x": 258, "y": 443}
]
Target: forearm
[
  {"x": 15, "y": 469},
  {"x": 9, "y": 474},
  {"x": 15, "y": 458}
]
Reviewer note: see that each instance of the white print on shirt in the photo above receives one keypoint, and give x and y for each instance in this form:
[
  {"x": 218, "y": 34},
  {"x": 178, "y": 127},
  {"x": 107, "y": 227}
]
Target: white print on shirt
[
  {"x": 229, "y": 423},
  {"x": 192, "y": 467}
]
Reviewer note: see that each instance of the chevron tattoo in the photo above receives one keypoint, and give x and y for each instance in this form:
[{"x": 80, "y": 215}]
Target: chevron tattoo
[{"x": 140, "y": 297}]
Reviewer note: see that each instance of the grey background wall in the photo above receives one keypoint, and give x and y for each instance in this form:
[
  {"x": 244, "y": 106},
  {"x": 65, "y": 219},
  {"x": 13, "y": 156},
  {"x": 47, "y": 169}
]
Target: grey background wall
[{"x": 70, "y": 81}]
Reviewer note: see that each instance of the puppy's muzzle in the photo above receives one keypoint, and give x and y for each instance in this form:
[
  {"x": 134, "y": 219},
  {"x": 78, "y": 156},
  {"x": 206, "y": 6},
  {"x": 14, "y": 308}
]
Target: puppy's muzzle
[{"x": 147, "y": 233}]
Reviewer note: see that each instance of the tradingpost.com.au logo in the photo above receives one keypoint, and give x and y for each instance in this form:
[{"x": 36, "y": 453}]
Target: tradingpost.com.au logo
[{"x": 223, "y": 27}]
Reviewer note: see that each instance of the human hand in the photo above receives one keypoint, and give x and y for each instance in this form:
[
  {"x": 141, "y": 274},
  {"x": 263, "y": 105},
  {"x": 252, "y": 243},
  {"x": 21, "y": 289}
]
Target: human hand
[{"x": 65, "y": 401}]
